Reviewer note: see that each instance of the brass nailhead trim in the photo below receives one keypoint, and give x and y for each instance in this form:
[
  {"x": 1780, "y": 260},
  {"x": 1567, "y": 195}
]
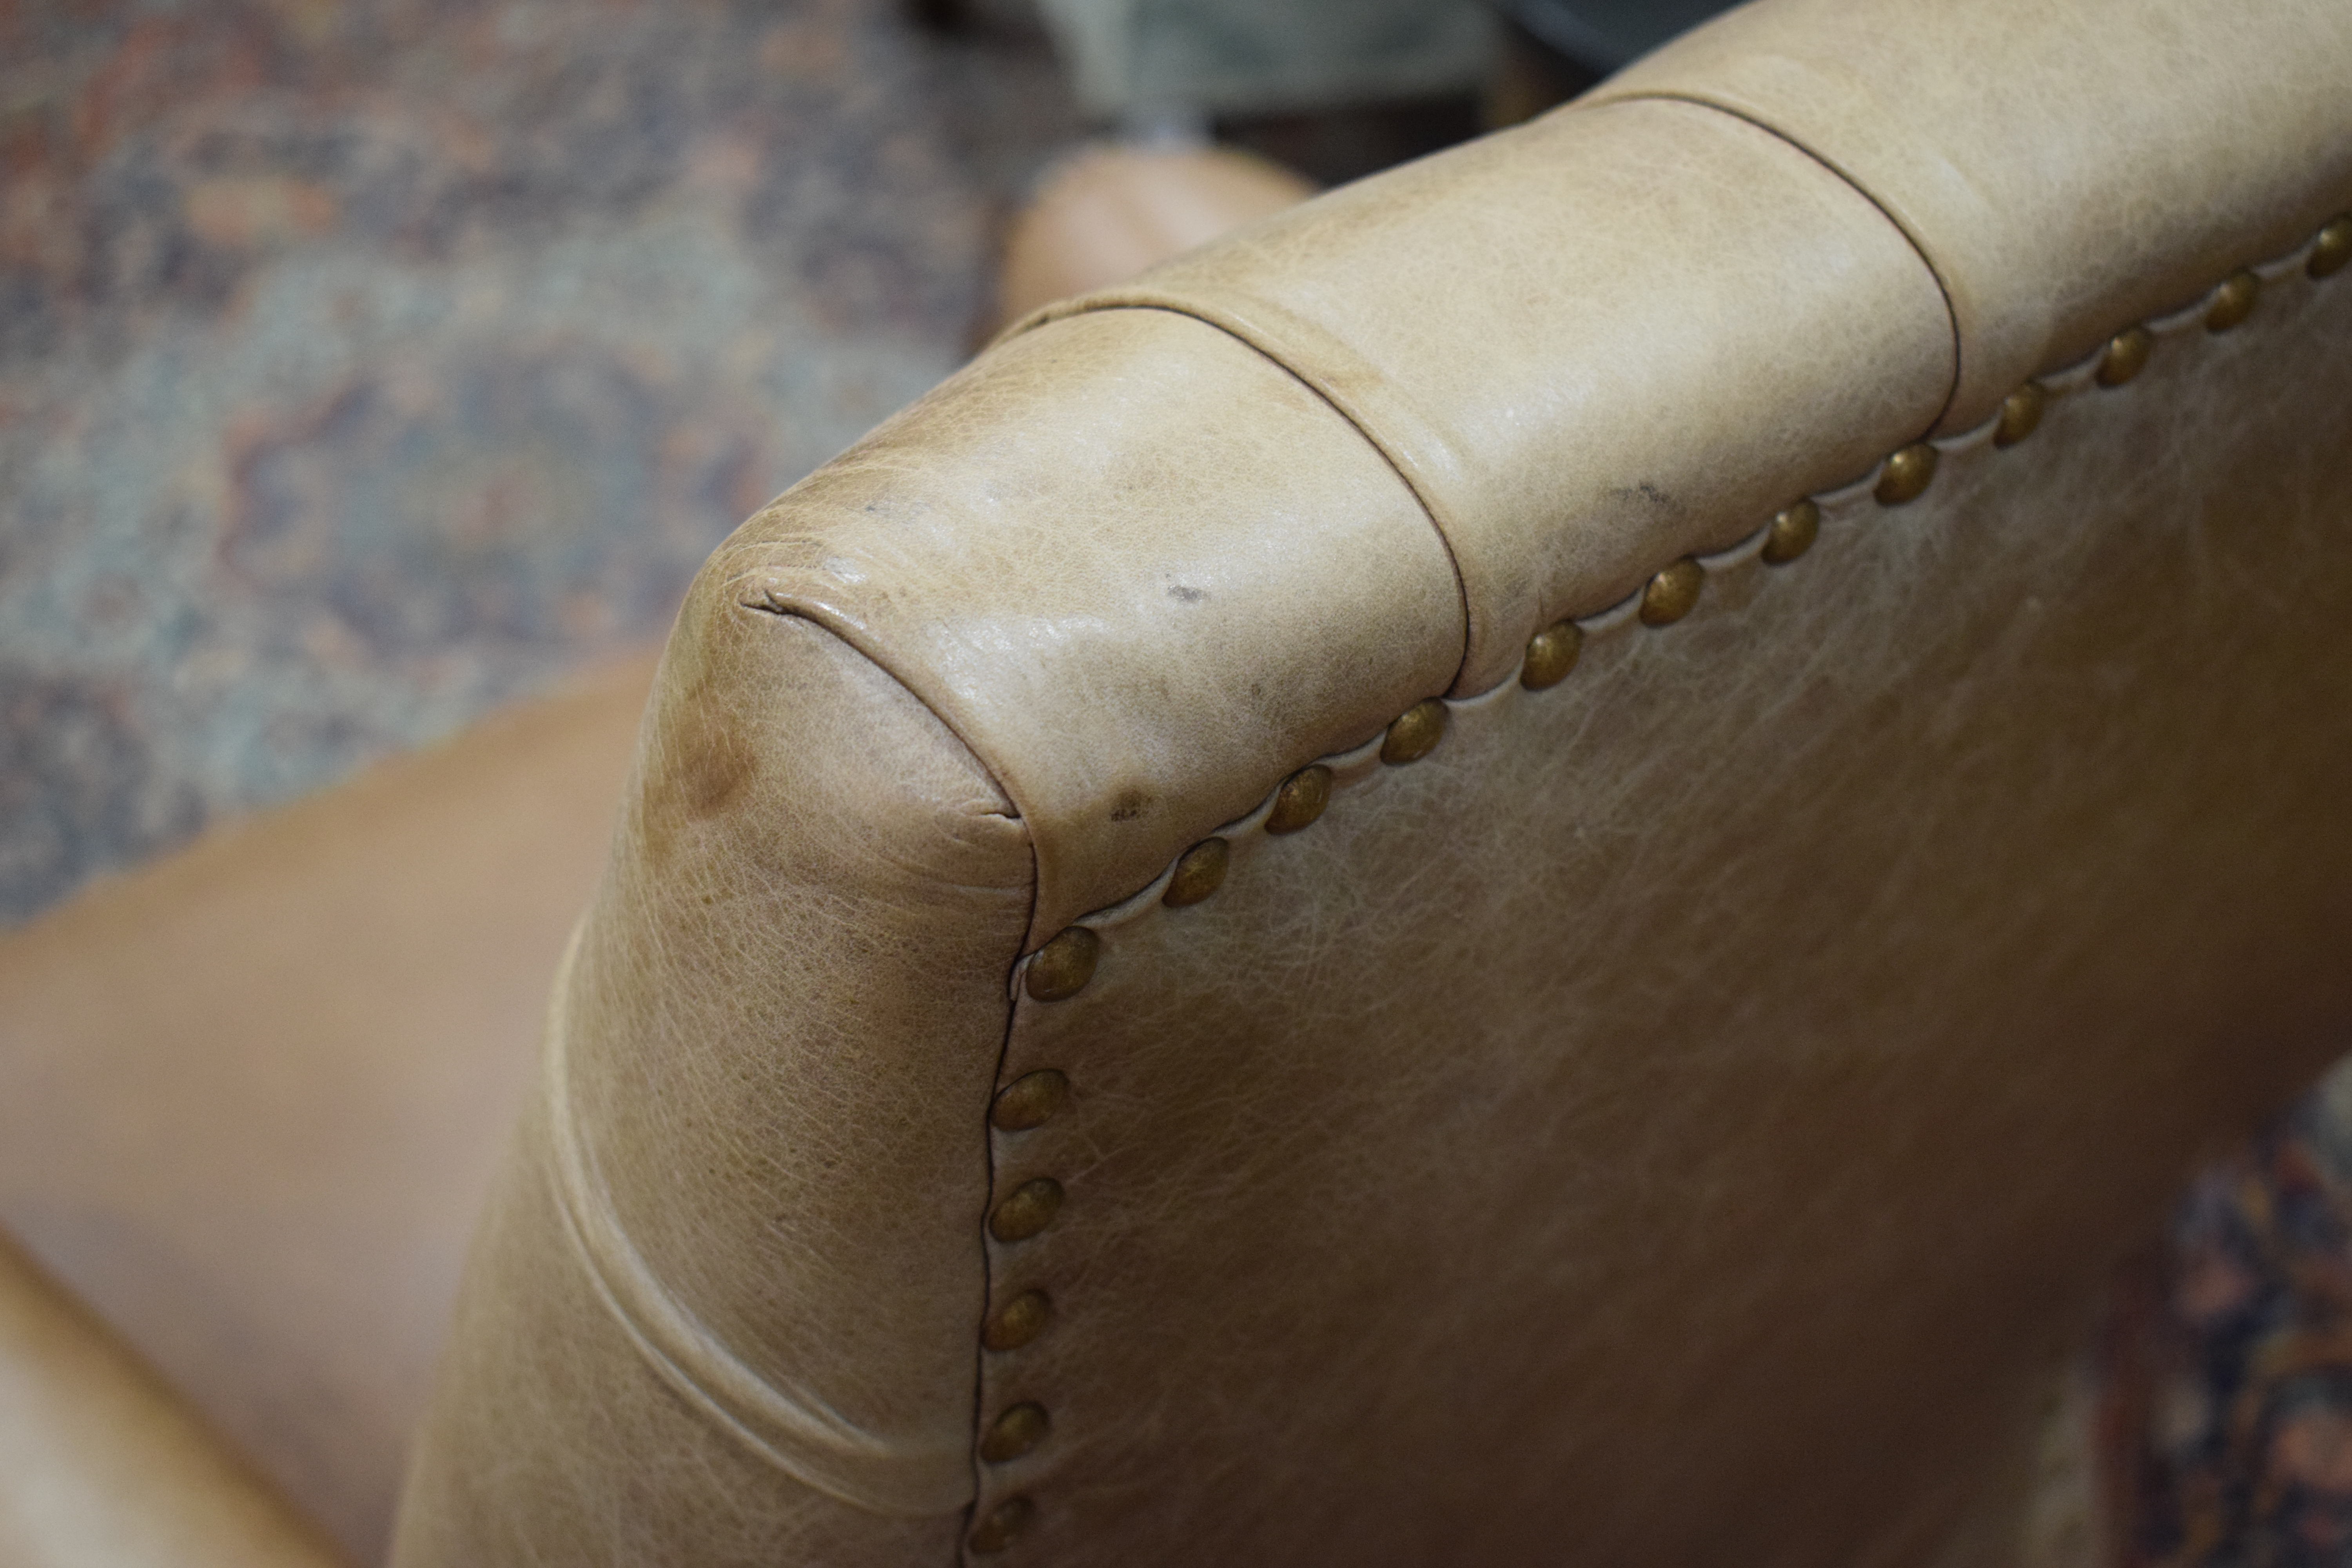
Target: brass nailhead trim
[
  {"x": 1004, "y": 1522},
  {"x": 1301, "y": 799},
  {"x": 1014, "y": 1433},
  {"x": 2332, "y": 248},
  {"x": 1792, "y": 532},
  {"x": 1200, "y": 871},
  {"x": 1906, "y": 474},
  {"x": 1551, "y": 654},
  {"x": 2127, "y": 355},
  {"x": 1415, "y": 733},
  {"x": 1022, "y": 1319},
  {"x": 1672, "y": 592},
  {"x": 1029, "y": 1210},
  {"x": 2021, "y": 414},
  {"x": 1064, "y": 965},
  {"x": 1029, "y": 1100},
  {"x": 2233, "y": 302}
]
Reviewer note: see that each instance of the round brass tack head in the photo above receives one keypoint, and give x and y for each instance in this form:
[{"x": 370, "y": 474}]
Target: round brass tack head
[
  {"x": 1907, "y": 474},
  {"x": 1415, "y": 733},
  {"x": 1200, "y": 871},
  {"x": 1004, "y": 1522},
  {"x": 2021, "y": 414},
  {"x": 1014, "y": 1433},
  {"x": 2332, "y": 249},
  {"x": 1672, "y": 592},
  {"x": 1064, "y": 965},
  {"x": 1793, "y": 533},
  {"x": 2126, "y": 356},
  {"x": 2233, "y": 302},
  {"x": 1551, "y": 654},
  {"x": 1029, "y": 1100},
  {"x": 1029, "y": 1210},
  {"x": 1300, "y": 800},
  {"x": 1020, "y": 1320}
]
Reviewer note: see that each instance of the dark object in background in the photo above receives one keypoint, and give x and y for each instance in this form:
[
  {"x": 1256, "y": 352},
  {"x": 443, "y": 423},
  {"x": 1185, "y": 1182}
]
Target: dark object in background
[{"x": 1553, "y": 49}]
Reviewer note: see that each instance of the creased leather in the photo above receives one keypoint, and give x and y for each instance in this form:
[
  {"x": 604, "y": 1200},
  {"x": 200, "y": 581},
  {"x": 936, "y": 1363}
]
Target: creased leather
[
  {"x": 1688, "y": 1116},
  {"x": 1136, "y": 567},
  {"x": 777, "y": 1037},
  {"x": 773, "y": 1413},
  {"x": 1608, "y": 265},
  {"x": 1995, "y": 133}
]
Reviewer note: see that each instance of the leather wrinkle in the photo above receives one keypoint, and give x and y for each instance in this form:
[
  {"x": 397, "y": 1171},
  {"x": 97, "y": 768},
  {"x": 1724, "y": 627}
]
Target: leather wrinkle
[
  {"x": 695, "y": 1362},
  {"x": 1918, "y": 248},
  {"x": 1145, "y": 299},
  {"x": 1845, "y": 506}
]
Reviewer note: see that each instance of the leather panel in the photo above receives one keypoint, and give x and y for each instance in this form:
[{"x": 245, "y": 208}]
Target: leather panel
[
  {"x": 251, "y": 1095},
  {"x": 723, "y": 1310},
  {"x": 102, "y": 1467},
  {"x": 1138, "y": 568},
  {"x": 1608, "y": 264},
  {"x": 2009, "y": 138},
  {"x": 1688, "y": 1114}
]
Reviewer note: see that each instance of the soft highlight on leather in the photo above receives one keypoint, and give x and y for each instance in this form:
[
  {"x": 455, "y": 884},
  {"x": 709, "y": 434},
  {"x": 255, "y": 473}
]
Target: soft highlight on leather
[
  {"x": 1681, "y": 323},
  {"x": 250, "y": 1096},
  {"x": 1682, "y": 1115},
  {"x": 1688, "y": 1115},
  {"x": 102, "y": 1467},
  {"x": 2065, "y": 169},
  {"x": 779, "y": 1031}
]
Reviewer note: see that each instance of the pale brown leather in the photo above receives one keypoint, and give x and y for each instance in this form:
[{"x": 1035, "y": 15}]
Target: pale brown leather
[
  {"x": 1995, "y": 136},
  {"x": 1127, "y": 505},
  {"x": 102, "y": 1467},
  {"x": 250, "y": 1096},
  {"x": 1107, "y": 212},
  {"x": 1680, "y": 1120},
  {"x": 1689, "y": 1114},
  {"x": 1590, "y": 344},
  {"x": 723, "y": 1310}
]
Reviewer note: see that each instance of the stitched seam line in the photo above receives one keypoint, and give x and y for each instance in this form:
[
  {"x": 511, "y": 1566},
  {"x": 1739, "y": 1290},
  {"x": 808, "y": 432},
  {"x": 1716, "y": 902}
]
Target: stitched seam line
[{"x": 1918, "y": 247}]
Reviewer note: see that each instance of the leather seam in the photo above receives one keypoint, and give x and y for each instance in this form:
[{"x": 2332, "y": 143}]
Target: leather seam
[
  {"x": 1262, "y": 340},
  {"x": 1919, "y": 246},
  {"x": 2111, "y": 367}
]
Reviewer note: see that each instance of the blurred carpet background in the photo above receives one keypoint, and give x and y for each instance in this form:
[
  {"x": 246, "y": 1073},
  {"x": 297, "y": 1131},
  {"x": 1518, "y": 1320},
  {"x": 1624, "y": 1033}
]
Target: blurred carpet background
[{"x": 364, "y": 366}]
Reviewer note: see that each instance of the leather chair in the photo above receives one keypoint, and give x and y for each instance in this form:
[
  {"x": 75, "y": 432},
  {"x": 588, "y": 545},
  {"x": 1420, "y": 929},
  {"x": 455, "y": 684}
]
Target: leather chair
[{"x": 1539, "y": 864}]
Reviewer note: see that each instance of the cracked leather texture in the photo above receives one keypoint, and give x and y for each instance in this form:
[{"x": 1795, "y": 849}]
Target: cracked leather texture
[
  {"x": 1687, "y": 1117},
  {"x": 776, "y": 1036},
  {"x": 1610, "y": 264},
  {"x": 1994, "y": 134},
  {"x": 1682, "y": 1117}
]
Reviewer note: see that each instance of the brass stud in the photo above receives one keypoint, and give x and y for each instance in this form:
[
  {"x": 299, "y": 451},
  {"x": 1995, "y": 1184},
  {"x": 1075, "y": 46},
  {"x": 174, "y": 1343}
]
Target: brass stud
[
  {"x": 2233, "y": 302},
  {"x": 1200, "y": 871},
  {"x": 1551, "y": 654},
  {"x": 2332, "y": 249},
  {"x": 1064, "y": 965},
  {"x": 1029, "y": 1210},
  {"x": 1006, "y": 1521},
  {"x": 1014, "y": 1433},
  {"x": 1301, "y": 799},
  {"x": 1029, "y": 1100},
  {"x": 1672, "y": 592},
  {"x": 1793, "y": 533},
  {"x": 1415, "y": 733},
  {"x": 2021, "y": 414},
  {"x": 1906, "y": 474},
  {"x": 1023, "y": 1318},
  {"x": 2126, "y": 357}
]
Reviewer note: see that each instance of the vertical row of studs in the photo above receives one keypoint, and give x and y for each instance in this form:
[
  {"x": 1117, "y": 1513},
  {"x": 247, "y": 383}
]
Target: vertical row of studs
[{"x": 1062, "y": 968}]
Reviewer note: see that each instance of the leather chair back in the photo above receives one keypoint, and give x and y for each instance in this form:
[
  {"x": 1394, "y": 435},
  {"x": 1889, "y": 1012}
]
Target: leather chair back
[{"x": 1537, "y": 865}]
